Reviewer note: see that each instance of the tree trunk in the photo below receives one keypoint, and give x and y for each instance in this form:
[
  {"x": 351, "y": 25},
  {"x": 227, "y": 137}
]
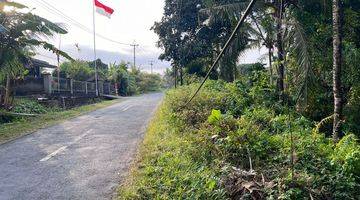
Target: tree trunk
[
  {"x": 175, "y": 76},
  {"x": 270, "y": 66},
  {"x": 181, "y": 76},
  {"x": 279, "y": 45},
  {"x": 337, "y": 61},
  {"x": 7, "y": 93},
  {"x": 235, "y": 72}
]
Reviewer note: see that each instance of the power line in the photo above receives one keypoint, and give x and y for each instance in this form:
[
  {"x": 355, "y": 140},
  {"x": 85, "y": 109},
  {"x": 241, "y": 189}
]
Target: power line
[
  {"x": 55, "y": 11},
  {"x": 74, "y": 22},
  {"x": 232, "y": 36}
]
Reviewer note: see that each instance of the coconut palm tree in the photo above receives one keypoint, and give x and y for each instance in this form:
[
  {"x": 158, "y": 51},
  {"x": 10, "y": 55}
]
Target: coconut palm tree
[
  {"x": 221, "y": 18},
  {"x": 272, "y": 25},
  {"x": 337, "y": 59},
  {"x": 22, "y": 33}
]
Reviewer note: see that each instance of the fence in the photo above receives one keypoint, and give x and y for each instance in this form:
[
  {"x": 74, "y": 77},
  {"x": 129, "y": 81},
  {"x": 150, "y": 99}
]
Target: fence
[
  {"x": 62, "y": 86},
  {"x": 29, "y": 86}
]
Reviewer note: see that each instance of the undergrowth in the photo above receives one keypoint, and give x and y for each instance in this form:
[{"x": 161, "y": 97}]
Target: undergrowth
[{"x": 235, "y": 141}]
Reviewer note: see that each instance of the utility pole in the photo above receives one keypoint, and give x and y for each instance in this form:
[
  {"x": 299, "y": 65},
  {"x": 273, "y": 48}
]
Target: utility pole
[
  {"x": 134, "y": 46},
  {"x": 151, "y": 65},
  {"x": 58, "y": 65},
  {"x": 96, "y": 73}
]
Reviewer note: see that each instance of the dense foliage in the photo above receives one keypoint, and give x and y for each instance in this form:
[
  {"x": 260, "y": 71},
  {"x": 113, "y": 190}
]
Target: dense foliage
[
  {"x": 128, "y": 81},
  {"x": 299, "y": 37},
  {"x": 235, "y": 141},
  {"x": 77, "y": 70},
  {"x": 133, "y": 81}
]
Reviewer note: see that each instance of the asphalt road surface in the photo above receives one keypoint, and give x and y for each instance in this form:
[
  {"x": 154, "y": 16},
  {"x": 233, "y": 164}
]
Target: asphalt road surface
[{"x": 82, "y": 158}]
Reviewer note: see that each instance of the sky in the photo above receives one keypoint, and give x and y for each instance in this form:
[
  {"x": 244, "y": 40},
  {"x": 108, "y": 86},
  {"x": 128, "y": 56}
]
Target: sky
[{"x": 131, "y": 22}]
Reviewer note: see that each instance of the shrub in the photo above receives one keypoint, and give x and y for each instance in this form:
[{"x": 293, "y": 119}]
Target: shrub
[
  {"x": 28, "y": 106},
  {"x": 240, "y": 126},
  {"x": 347, "y": 155}
]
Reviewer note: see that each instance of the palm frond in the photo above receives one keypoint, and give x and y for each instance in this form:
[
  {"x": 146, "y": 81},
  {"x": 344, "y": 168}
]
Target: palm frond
[
  {"x": 11, "y": 4},
  {"x": 233, "y": 8},
  {"x": 55, "y": 50},
  {"x": 296, "y": 37},
  {"x": 217, "y": 13},
  {"x": 47, "y": 46}
]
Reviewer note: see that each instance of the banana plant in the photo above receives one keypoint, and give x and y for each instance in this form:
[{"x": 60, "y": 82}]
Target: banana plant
[{"x": 22, "y": 33}]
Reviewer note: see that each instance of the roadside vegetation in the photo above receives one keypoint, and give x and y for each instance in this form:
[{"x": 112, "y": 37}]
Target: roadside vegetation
[
  {"x": 39, "y": 116},
  {"x": 236, "y": 141},
  {"x": 20, "y": 34},
  {"x": 287, "y": 129},
  {"x": 131, "y": 80}
]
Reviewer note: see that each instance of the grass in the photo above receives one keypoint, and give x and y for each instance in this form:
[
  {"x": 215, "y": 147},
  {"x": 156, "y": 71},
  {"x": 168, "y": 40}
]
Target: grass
[
  {"x": 10, "y": 131},
  {"x": 203, "y": 151},
  {"x": 168, "y": 166}
]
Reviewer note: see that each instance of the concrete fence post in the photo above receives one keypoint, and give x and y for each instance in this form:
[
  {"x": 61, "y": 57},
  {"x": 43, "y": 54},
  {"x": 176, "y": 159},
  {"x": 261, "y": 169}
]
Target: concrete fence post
[
  {"x": 101, "y": 87},
  {"x": 109, "y": 85},
  {"x": 86, "y": 88},
  {"x": 48, "y": 83},
  {"x": 116, "y": 89},
  {"x": 71, "y": 86}
]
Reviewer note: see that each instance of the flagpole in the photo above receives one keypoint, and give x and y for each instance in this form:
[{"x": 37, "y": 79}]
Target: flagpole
[{"x": 96, "y": 74}]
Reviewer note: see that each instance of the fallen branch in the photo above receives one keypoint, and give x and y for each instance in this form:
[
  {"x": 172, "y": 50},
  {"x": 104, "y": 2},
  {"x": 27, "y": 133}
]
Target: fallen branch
[
  {"x": 323, "y": 122},
  {"x": 19, "y": 114}
]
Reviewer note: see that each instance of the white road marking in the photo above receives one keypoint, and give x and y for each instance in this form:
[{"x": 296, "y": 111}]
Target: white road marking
[
  {"x": 127, "y": 108},
  {"x": 53, "y": 154},
  {"x": 63, "y": 148}
]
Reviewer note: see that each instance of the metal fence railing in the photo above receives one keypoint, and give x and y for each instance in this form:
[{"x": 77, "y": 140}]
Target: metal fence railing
[
  {"x": 60, "y": 84},
  {"x": 54, "y": 85},
  {"x": 63, "y": 85}
]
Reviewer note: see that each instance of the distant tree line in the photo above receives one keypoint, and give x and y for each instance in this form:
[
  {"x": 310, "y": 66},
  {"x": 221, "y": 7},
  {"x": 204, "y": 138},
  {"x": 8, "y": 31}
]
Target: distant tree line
[{"x": 128, "y": 80}]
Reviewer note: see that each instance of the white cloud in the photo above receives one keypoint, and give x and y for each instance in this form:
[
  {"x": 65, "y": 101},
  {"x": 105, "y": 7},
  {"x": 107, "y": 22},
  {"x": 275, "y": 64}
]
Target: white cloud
[{"x": 131, "y": 21}]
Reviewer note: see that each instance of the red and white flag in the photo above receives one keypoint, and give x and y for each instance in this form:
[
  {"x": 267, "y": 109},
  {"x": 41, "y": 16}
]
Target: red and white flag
[{"x": 103, "y": 9}]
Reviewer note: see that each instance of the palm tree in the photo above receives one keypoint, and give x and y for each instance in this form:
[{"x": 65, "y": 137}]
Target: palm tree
[
  {"x": 337, "y": 59},
  {"x": 222, "y": 18},
  {"x": 279, "y": 13},
  {"x": 23, "y": 32},
  {"x": 271, "y": 28},
  {"x": 264, "y": 32}
]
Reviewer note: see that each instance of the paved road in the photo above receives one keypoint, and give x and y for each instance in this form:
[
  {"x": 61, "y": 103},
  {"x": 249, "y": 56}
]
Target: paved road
[{"x": 83, "y": 158}]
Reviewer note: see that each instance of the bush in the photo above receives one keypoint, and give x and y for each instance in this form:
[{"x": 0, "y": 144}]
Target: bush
[
  {"x": 241, "y": 127},
  {"x": 28, "y": 106}
]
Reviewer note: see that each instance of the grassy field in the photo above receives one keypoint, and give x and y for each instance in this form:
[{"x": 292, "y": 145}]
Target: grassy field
[{"x": 10, "y": 131}]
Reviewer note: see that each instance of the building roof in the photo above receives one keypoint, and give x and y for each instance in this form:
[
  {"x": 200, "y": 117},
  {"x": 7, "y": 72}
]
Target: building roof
[
  {"x": 33, "y": 62},
  {"x": 40, "y": 63}
]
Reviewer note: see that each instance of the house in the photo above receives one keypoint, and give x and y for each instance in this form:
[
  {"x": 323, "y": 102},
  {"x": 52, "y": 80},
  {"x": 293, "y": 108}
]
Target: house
[
  {"x": 36, "y": 67},
  {"x": 33, "y": 82}
]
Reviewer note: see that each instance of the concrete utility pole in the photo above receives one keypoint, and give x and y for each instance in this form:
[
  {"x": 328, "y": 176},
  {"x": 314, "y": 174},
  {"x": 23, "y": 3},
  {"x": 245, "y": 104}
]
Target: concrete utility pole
[
  {"x": 134, "y": 46},
  {"x": 151, "y": 65},
  {"x": 95, "y": 57},
  {"x": 58, "y": 65}
]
